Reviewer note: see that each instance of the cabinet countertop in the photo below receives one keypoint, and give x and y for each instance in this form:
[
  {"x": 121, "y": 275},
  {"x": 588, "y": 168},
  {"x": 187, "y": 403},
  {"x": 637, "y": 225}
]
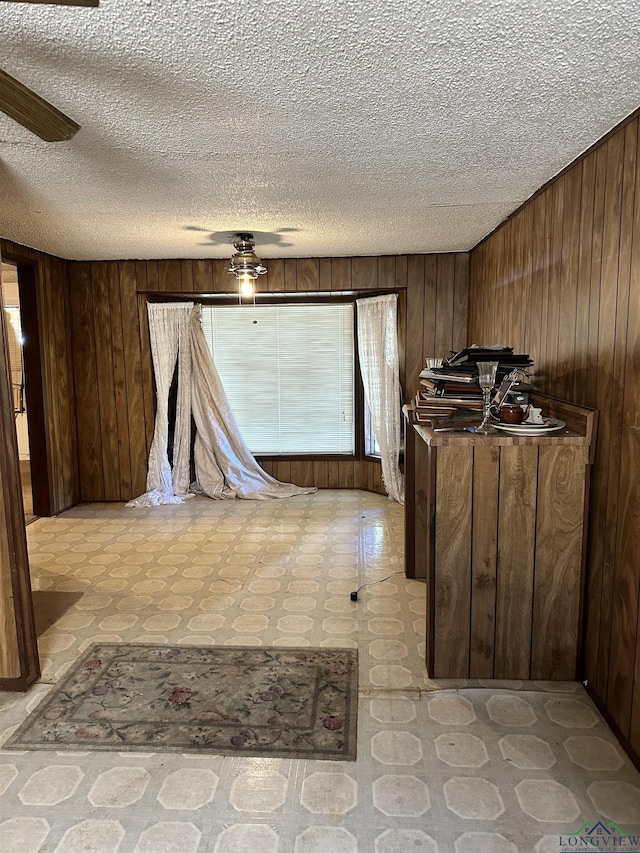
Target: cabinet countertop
[{"x": 501, "y": 439}]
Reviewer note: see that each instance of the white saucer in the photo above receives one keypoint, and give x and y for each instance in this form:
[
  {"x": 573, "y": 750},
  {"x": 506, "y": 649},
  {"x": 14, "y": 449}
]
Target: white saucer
[{"x": 548, "y": 425}]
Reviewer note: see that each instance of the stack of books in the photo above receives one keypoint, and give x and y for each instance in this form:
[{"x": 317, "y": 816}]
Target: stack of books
[
  {"x": 466, "y": 360},
  {"x": 451, "y": 396}
]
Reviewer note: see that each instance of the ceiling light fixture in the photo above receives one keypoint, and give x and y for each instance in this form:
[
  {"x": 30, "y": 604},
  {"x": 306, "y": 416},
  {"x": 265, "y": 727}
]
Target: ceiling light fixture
[{"x": 245, "y": 264}]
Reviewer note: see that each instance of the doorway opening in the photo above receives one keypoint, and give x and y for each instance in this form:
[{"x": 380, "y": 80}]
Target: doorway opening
[
  {"x": 21, "y": 318},
  {"x": 11, "y": 298}
]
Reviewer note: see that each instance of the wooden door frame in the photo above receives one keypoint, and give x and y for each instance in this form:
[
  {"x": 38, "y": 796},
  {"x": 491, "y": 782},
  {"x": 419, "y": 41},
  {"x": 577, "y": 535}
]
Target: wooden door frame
[
  {"x": 34, "y": 382},
  {"x": 18, "y": 640}
]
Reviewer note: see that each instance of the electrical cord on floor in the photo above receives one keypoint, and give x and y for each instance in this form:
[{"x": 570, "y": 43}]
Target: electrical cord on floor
[{"x": 354, "y": 595}]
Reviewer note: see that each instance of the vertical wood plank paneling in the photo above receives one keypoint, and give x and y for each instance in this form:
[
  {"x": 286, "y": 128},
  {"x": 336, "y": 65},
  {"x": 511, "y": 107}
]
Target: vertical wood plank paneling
[
  {"x": 536, "y": 304},
  {"x": 486, "y": 479},
  {"x": 518, "y": 282},
  {"x": 308, "y": 274},
  {"x": 583, "y": 277},
  {"x": 376, "y": 484},
  {"x": 103, "y": 324},
  {"x": 624, "y": 586},
  {"x": 445, "y": 295},
  {"x": 290, "y": 274},
  {"x": 203, "y": 276},
  {"x": 596, "y": 273},
  {"x": 518, "y": 476},
  {"x": 186, "y": 276},
  {"x": 341, "y": 274},
  {"x": 625, "y": 591},
  {"x": 623, "y": 695},
  {"x": 555, "y": 214},
  {"x": 324, "y": 272},
  {"x": 274, "y": 279},
  {"x": 85, "y": 373},
  {"x": 568, "y": 283},
  {"x": 558, "y": 563},
  {"x": 634, "y": 726},
  {"x": 333, "y": 474},
  {"x": 364, "y": 273},
  {"x": 415, "y": 322},
  {"x": 386, "y": 272},
  {"x": 583, "y": 239},
  {"x": 346, "y": 475},
  {"x": 69, "y": 450},
  {"x": 151, "y": 275},
  {"x": 527, "y": 223},
  {"x": 321, "y": 474},
  {"x": 223, "y": 281},
  {"x": 134, "y": 383},
  {"x": 430, "y": 314},
  {"x": 607, "y": 495},
  {"x": 169, "y": 277},
  {"x": 120, "y": 383},
  {"x": 596, "y": 574},
  {"x": 460, "y": 302},
  {"x": 360, "y": 475},
  {"x": 49, "y": 369},
  {"x": 453, "y": 545},
  {"x": 49, "y": 346},
  {"x": 302, "y": 473}
]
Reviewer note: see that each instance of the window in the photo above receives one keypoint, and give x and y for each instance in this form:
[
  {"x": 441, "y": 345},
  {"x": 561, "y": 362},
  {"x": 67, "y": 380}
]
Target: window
[
  {"x": 371, "y": 446},
  {"x": 288, "y": 371}
]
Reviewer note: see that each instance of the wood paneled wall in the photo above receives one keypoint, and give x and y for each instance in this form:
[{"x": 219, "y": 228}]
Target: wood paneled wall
[
  {"x": 112, "y": 358},
  {"x": 561, "y": 279},
  {"x": 56, "y": 403}
]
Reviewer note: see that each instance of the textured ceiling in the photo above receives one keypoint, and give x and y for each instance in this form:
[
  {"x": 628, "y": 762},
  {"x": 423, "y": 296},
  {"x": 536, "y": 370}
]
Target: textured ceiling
[{"x": 327, "y": 128}]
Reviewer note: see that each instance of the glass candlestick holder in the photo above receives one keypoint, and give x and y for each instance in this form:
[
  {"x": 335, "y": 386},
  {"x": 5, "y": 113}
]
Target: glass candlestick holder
[{"x": 487, "y": 380}]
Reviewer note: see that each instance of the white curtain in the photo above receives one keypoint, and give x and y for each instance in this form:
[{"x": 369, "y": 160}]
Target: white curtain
[
  {"x": 169, "y": 333},
  {"x": 378, "y": 353},
  {"x": 225, "y": 468}
]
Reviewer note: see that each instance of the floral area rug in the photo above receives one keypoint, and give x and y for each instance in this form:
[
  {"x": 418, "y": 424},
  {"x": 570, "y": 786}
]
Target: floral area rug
[{"x": 271, "y": 702}]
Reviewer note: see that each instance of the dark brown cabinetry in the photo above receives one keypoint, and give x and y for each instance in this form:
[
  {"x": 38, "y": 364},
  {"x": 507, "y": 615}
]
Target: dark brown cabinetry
[{"x": 496, "y": 526}]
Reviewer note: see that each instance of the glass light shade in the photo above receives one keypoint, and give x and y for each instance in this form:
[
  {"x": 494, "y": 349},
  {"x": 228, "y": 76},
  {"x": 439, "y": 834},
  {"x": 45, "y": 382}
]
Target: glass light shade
[{"x": 246, "y": 286}]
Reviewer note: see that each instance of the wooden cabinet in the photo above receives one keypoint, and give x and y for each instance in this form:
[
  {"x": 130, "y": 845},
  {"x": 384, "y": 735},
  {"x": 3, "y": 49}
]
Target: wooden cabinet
[{"x": 497, "y": 527}]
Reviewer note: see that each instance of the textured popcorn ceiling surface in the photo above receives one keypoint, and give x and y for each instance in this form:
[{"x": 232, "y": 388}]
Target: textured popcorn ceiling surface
[{"x": 326, "y": 128}]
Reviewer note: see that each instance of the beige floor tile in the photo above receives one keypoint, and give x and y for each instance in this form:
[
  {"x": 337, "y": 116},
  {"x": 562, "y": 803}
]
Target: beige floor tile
[{"x": 444, "y": 766}]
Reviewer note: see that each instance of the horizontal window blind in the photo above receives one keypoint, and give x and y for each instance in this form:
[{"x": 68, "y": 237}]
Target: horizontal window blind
[{"x": 288, "y": 372}]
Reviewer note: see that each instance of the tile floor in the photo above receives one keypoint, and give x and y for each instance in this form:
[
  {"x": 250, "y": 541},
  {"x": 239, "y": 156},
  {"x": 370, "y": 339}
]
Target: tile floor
[{"x": 448, "y": 766}]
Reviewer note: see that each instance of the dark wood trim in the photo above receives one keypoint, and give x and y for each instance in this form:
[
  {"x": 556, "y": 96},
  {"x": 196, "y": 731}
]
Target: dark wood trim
[
  {"x": 266, "y": 297},
  {"x": 16, "y": 685},
  {"x": 34, "y": 385},
  {"x": 409, "y": 498},
  {"x": 17, "y": 627}
]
